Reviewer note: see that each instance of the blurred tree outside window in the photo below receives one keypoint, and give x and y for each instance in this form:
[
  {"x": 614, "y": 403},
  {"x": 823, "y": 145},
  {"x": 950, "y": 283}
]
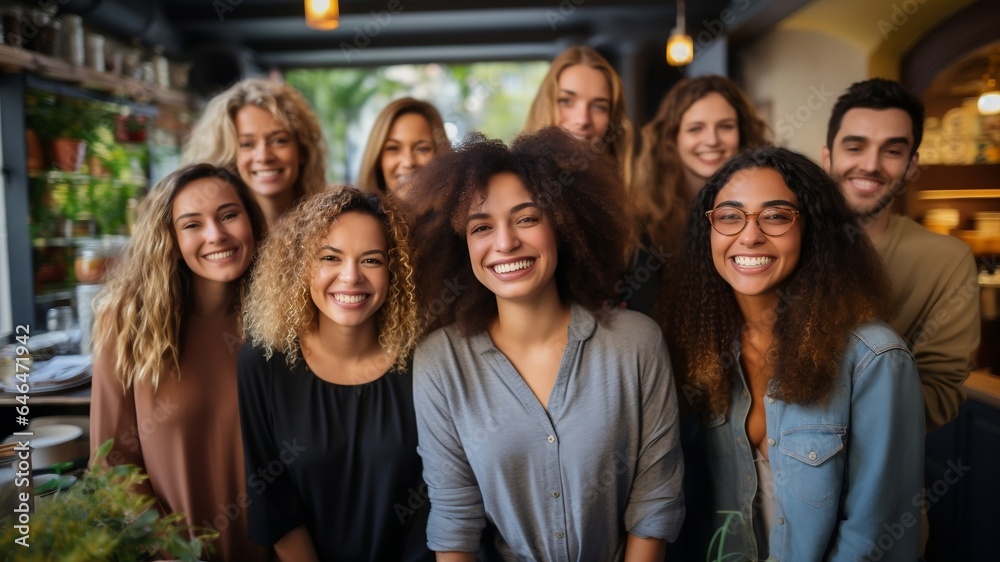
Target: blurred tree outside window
[{"x": 489, "y": 97}]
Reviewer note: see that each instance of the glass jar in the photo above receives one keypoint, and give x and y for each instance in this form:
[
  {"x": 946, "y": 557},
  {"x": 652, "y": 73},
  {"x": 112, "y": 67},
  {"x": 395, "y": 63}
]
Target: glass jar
[
  {"x": 73, "y": 42},
  {"x": 91, "y": 262}
]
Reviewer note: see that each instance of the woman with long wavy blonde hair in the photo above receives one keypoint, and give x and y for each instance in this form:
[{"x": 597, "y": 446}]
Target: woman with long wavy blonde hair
[
  {"x": 324, "y": 381},
  {"x": 167, "y": 332},
  {"x": 583, "y": 95},
  {"x": 407, "y": 134},
  {"x": 267, "y": 133}
]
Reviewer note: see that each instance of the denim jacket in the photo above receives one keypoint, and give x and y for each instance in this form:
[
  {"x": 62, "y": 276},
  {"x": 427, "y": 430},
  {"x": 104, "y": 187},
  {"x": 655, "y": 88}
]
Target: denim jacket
[{"x": 847, "y": 470}]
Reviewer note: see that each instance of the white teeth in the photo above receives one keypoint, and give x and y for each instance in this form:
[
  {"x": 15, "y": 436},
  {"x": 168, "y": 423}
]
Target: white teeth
[
  {"x": 864, "y": 183},
  {"x": 757, "y": 261},
  {"x": 508, "y": 267},
  {"x": 349, "y": 299},
  {"x": 220, "y": 255},
  {"x": 266, "y": 173}
]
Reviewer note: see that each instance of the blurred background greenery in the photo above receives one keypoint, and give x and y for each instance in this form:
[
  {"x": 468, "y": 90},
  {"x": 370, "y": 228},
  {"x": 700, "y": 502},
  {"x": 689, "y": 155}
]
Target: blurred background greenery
[{"x": 490, "y": 97}]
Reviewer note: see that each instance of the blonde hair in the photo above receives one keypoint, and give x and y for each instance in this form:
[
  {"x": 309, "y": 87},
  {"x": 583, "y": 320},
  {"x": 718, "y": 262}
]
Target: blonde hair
[
  {"x": 279, "y": 308},
  {"x": 213, "y": 138},
  {"x": 370, "y": 176},
  {"x": 140, "y": 310},
  {"x": 658, "y": 181},
  {"x": 545, "y": 110}
]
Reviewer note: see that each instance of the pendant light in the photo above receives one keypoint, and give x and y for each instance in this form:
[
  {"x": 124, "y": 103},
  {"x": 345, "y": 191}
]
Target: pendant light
[
  {"x": 680, "y": 47},
  {"x": 322, "y": 14}
]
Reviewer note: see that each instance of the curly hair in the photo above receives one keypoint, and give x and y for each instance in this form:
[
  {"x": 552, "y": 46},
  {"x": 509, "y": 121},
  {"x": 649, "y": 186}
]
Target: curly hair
[
  {"x": 371, "y": 176},
  {"x": 658, "y": 178},
  {"x": 544, "y": 110},
  {"x": 838, "y": 284},
  {"x": 280, "y": 309},
  {"x": 213, "y": 138},
  {"x": 139, "y": 312},
  {"x": 579, "y": 190}
]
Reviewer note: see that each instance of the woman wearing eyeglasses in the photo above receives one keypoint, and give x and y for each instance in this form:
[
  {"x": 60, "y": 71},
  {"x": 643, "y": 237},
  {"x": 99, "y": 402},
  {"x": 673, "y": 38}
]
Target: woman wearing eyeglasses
[{"x": 812, "y": 407}]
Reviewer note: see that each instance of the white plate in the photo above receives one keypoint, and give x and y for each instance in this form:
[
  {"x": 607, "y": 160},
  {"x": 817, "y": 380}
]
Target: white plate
[{"x": 49, "y": 435}]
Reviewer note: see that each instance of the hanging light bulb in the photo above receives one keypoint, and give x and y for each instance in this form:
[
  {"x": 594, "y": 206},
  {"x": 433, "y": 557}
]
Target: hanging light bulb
[
  {"x": 680, "y": 46},
  {"x": 989, "y": 100},
  {"x": 322, "y": 14}
]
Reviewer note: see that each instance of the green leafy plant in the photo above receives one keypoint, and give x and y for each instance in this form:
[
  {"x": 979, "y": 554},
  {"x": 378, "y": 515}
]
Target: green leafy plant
[{"x": 101, "y": 518}]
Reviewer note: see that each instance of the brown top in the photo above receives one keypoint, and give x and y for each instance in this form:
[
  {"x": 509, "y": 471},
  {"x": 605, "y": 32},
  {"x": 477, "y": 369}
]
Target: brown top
[
  {"x": 937, "y": 296},
  {"x": 186, "y": 436}
]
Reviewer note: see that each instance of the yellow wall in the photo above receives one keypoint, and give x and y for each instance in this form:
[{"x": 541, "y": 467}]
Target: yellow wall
[{"x": 831, "y": 43}]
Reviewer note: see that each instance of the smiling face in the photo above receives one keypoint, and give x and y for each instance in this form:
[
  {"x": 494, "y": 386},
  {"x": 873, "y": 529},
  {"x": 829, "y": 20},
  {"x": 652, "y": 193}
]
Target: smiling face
[
  {"x": 213, "y": 231},
  {"x": 350, "y": 278},
  {"x": 708, "y": 135},
  {"x": 512, "y": 244},
  {"x": 870, "y": 157},
  {"x": 754, "y": 264},
  {"x": 584, "y": 101},
  {"x": 408, "y": 147},
  {"x": 268, "y": 159}
]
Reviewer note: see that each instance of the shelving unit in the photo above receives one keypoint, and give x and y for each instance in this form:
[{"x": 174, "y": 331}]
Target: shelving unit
[
  {"x": 30, "y": 246},
  {"x": 18, "y": 59}
]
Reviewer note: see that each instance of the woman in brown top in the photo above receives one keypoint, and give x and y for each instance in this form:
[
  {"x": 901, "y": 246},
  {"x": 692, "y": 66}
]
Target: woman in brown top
[{"x": 168, "y": 333}]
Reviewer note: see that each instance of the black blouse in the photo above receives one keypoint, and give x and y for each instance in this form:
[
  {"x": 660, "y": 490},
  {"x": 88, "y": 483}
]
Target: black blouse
[{"x": 342, "y": 460}]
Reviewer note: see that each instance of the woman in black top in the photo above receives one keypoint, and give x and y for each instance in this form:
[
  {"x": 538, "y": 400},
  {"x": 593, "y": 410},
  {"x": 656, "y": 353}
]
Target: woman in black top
[{"x": 325, "y": 389}]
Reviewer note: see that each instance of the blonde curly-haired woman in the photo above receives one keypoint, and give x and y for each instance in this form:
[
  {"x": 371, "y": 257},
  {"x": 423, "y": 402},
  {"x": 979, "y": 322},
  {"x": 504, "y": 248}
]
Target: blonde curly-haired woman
[
  {"x": 167, "y": 334},
  {"x": 266, "y": 132},
  {"x": 325, "y": 389}
]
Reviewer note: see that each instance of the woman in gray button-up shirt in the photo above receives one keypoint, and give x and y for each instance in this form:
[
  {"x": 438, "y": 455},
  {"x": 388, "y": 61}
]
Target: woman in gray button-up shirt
[{"x": 542, "y": 409}]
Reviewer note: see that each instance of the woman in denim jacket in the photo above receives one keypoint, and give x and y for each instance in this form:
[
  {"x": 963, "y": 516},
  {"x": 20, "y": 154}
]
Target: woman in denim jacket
[{"x": 814, "y": 419}]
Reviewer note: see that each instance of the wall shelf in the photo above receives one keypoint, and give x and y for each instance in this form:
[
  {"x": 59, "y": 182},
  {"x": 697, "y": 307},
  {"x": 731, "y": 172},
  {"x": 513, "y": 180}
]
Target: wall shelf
[
  {"x": 18, "y": 59},
  {"x": 938, "y": 194}
]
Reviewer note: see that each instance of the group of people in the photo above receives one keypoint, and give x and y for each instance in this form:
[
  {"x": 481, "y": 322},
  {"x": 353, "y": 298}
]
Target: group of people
[{"x": 466, "y": 356}]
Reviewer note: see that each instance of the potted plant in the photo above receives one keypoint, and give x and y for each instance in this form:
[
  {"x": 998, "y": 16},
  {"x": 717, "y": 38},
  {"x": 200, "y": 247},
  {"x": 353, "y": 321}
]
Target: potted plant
[
  {"x": 68, "y": 124},
  {"x": 100, "y": 518}
]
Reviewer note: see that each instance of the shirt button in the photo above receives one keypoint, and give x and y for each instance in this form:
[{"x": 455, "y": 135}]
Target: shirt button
[
  {"x": 812, "y": 455},
  {"x": 552, "y": 439},
  {"x": 559, "y": 534},
  {"x": 770, "y": 441},
  {"x": 555, "y": 494},
  {"x": 781, "y": 521},
  {"x": 770, "y": 400}
]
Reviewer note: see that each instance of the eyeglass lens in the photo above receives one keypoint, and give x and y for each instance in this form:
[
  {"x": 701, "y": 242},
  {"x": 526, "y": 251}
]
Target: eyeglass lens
[{"x": 772, "y": 221}]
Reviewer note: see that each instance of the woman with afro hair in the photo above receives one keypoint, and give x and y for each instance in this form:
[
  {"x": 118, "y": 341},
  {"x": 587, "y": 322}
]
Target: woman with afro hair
[{"x": 542, "y": 411}]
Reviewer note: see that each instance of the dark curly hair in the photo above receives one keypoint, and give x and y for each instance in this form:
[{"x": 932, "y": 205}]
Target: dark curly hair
[
  {"x": 877, "y": 93},
  {"x": 578, "y": 189},
  {"x": 839, "y": 283}
]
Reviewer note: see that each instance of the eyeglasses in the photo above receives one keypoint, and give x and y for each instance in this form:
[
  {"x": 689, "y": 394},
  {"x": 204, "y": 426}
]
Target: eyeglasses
[{"x": 773, "y": 221}]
